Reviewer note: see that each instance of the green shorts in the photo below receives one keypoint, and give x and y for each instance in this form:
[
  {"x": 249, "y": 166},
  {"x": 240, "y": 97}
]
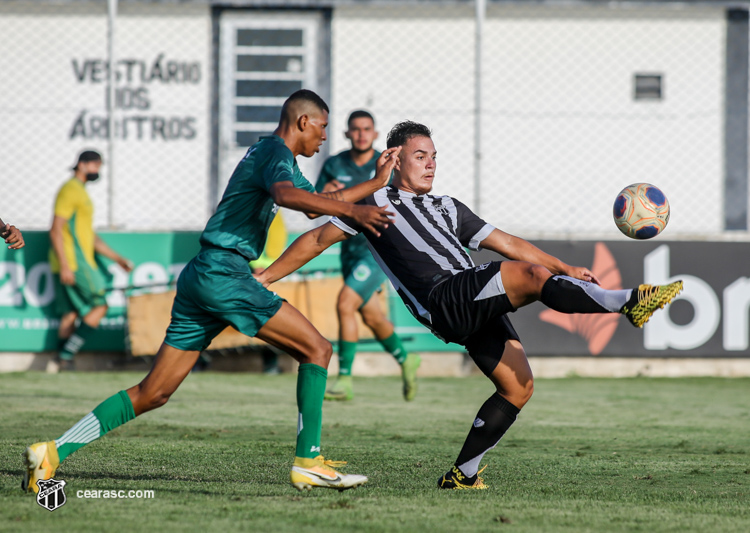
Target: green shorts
[
  {"x": 214, "y": 290},
  {"x": 363, "y": 275},
  {"x": 87, "y": 292}
]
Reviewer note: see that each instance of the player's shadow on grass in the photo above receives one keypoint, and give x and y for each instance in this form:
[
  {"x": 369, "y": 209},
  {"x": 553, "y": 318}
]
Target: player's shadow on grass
[
  {"x": 159, "y": 483},
  {"x": 85, "y": 479}
]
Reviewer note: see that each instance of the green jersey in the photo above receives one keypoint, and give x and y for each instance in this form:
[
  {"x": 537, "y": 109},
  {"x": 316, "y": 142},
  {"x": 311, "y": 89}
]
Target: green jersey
[
  {"x": 247, "y": 209},
  {"x": 340, "y": 167}
]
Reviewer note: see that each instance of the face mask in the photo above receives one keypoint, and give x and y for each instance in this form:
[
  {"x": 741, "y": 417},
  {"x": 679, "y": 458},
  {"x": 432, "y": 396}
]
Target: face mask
[{"x": 92, "y": 176}]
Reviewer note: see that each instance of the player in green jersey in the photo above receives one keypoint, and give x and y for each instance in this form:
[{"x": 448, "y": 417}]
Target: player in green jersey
[
  {"x": 362, "y": 275},
  {"x": 217, "y": 289}
]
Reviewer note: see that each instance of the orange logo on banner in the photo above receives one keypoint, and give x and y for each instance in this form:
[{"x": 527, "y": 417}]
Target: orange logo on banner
[{"x": 596, "y": 329}]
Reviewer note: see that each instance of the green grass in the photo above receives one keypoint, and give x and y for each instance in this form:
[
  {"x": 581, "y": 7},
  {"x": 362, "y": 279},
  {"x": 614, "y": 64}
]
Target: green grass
[{"x": 585, "y": 455}]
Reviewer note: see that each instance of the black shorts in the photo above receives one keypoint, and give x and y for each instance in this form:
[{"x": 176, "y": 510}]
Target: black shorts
[{"x": 471, "y": 309}]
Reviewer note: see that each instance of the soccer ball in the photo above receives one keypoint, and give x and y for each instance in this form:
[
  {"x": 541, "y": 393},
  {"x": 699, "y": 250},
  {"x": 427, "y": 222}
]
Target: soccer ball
[{"x": 641, "y": 211}]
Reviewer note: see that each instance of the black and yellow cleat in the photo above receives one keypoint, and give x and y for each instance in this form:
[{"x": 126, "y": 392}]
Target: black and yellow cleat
[
  {"x": 454, "y": 479},
  {"x": 647, "y": 299}
]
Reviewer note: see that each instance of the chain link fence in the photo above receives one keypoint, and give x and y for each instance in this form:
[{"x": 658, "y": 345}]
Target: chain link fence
[
  {"x": 577, "y": 101},
  {"x": 55, "y": 103},
  {"x": 580, "y": 103}
]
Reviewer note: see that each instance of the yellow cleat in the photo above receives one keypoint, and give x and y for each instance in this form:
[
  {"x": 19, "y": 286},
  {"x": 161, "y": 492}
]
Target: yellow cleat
[
  {"x": 454, "y": 479},
  {"x": 308, "y": 473},
  {"x": 41, "y": 461},
  {"x": 647, "y": 300}
]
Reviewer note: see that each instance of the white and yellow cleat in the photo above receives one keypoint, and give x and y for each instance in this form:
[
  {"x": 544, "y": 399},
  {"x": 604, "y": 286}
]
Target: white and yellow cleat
[
  {"x": 41, "y": 461},
  {"x": 308, "y": 473}
]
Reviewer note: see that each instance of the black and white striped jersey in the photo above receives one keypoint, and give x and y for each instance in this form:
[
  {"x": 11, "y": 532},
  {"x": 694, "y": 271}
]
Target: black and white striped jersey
[{"x": 425, "y": 243}]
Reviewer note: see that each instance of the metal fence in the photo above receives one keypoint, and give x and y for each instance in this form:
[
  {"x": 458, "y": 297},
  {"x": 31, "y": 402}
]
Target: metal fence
[
  {"x": 571, "y": 102},
  {"x": 56, "y": 102}
]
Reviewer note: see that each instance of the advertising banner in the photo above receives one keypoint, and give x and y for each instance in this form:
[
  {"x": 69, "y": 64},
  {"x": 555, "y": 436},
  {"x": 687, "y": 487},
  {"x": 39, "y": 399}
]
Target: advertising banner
[
  {"x": 57, "y": 104},
  {"x": 708, "y": 319},
  {"x": 711, "y": 318},
  {"x": 28, "y": 316},
  {"x": 29, "y": 319}
]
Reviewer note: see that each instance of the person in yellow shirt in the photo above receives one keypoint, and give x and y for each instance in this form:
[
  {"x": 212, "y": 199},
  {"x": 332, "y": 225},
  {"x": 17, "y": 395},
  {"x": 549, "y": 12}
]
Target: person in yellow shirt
[{"x": 80, "y": 286}]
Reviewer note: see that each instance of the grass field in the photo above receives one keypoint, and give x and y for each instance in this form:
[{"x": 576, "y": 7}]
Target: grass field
[{"x": 585, "y": 455}]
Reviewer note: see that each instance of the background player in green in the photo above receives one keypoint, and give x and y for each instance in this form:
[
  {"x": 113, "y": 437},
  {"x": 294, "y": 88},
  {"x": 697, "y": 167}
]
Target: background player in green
[
  {"x": 362, "y": 275},
  {"x": 216, "y": 288}
]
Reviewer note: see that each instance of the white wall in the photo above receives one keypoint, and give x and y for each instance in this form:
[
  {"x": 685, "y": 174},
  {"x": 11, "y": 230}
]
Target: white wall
[
  {"x": 561, "y": 131},
  {"x": 562, "y": 134},
  {"x": 414, "y": 63},
  {"x": 57, "y": 57}
]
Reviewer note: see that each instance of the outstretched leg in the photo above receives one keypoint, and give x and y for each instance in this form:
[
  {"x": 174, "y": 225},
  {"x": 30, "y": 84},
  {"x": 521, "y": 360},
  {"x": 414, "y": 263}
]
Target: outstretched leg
[
  {"x": 525, "y": 283},
  {"x": 169, "y": 370}
]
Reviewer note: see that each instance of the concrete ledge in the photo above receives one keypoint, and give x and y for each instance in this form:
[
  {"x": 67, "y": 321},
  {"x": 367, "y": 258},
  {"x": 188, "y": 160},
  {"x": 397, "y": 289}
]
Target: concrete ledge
[
  {"x": 86, "y": 361},
  {"x": 625, "y": 367},
  {"x": 434, "y": 364}
]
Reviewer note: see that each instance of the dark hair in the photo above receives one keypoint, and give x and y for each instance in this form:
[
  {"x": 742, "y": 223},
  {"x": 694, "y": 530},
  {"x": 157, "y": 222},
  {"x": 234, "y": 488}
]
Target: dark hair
[
  {"x": 87, "y": 156},
  {"x": 403, "y": 131},
  {"x": 307, "y": 96},
  {"x": 359, "y": 113}
]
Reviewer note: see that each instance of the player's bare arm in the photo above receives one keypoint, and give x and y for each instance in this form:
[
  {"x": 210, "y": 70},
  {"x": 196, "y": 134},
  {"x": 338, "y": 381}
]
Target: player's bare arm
[
  {"x": 372, "y": 218},
  {"x": 12, "y": 235},
  {"x": 102, "y": 248},
  {"x": 307, "y": 247},
  {"x": 67, "y": 277},
  {"x": 333, "y": 185},
  {"x": 518, "y": 249},
  {"x": 384, "y": 166}
]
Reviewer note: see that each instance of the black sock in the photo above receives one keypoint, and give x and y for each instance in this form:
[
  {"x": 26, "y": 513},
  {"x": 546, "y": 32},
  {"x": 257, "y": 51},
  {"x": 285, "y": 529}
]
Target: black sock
[
  {"x": 492, "y": 421},
  {"x": 570, "y": 295}
]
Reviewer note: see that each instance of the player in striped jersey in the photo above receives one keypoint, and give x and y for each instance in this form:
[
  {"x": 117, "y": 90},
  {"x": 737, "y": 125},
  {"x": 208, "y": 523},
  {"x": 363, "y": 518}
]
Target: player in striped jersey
[{"x": 422, "y": 252}]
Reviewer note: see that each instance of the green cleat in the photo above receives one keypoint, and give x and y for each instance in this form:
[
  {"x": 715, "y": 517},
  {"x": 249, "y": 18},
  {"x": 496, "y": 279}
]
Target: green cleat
[
  {"x": 647, "y": 299},
  {"x": 409, "y": 375},
  {"x": 341, "y": 391}
]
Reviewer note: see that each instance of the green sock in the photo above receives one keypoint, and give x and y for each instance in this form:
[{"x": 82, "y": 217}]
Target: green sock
[
  {"x": 111, "y": 413},
  {"x": 347, "y": 351},
  {"x": 76, "y": 341},
  {"x": 311, "y": 386},
  {"x": 393, "y": 346}
]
